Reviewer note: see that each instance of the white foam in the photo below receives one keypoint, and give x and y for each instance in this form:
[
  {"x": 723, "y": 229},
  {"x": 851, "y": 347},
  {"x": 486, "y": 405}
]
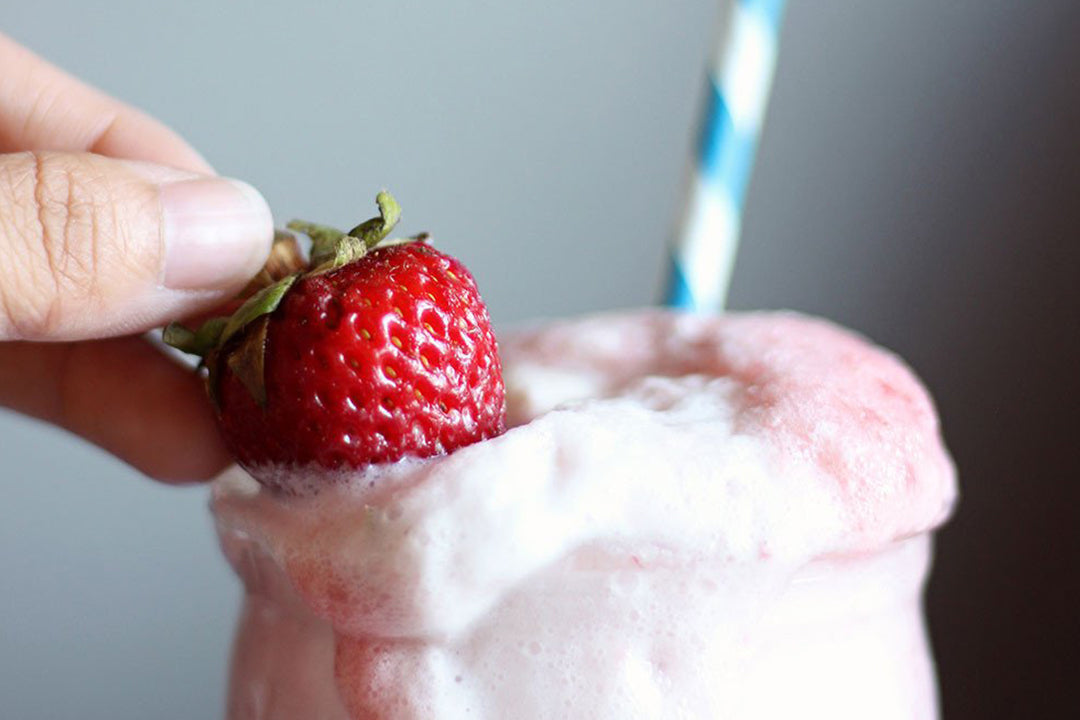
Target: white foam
[{"x": 617, "y": 549}]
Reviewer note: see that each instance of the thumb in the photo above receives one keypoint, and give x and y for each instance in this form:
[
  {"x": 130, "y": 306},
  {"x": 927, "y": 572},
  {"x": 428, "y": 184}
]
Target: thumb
[{"x": 91, "y": 246}]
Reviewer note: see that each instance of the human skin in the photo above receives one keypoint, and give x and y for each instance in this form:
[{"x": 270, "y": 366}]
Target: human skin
[{"x": 111, "y": 225}]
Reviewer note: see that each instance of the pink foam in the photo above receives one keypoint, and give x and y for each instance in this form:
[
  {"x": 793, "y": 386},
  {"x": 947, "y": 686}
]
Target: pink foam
[
  {"x": 813, "y": 390},
  {"x": 669, "y": 478}
]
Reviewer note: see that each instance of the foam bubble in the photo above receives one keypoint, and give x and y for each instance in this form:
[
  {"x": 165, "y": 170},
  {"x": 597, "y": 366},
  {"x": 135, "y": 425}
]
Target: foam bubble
[{"x": 619, "y": 549}]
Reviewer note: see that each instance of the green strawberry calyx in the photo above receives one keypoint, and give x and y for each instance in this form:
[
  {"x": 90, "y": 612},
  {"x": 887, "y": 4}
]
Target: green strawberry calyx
[{"x": 330, "y": 250}]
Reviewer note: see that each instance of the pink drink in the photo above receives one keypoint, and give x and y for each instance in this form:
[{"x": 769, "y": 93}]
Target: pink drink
[{"x": 692, "y": 518}]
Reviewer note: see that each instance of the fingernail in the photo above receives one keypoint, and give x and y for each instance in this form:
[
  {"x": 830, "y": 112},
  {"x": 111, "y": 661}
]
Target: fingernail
[{"x": 217, "y": 233}]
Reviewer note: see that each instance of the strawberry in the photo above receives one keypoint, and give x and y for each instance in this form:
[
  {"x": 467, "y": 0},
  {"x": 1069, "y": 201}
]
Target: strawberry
[{"x": 372, "y": 353}]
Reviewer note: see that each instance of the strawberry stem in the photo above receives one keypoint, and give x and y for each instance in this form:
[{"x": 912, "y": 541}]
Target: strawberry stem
[
  {"x": 331, "y": 248},
  {"x": 372, "y": 232},
  {"x": 323, "y": 239}
]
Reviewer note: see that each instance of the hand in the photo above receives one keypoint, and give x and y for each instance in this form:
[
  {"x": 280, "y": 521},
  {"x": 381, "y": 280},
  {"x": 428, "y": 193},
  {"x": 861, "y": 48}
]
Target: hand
[{"x": 110, "y": 225}]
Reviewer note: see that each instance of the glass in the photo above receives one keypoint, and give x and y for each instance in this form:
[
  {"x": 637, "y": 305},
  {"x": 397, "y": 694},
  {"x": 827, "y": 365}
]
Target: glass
[{"x": 840, "y": 637}]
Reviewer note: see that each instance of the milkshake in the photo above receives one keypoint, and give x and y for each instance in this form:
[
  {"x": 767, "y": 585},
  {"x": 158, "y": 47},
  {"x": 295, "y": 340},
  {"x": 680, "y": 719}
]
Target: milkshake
[{"x": 689, "y": 517}]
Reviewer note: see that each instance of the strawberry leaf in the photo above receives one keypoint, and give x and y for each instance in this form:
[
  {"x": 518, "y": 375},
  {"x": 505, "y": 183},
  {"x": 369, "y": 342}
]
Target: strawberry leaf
[
  {"x": 208, "y": 335},
  {"x": 179, "y": 337},
  {"x": 324, "y": 239},
  {"x": 261, "y": 303},
  {"x": 248, "y": 361},
  {"x": 285, "y": 259},
  {"x": 375, "y": 230},
  {"x": 200, "y": 342},
  {"x": 331, "y": 248}
]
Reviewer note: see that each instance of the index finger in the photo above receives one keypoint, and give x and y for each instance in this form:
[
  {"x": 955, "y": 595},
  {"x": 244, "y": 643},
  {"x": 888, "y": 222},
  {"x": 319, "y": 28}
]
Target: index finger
[{"x": 44, "y": 108}]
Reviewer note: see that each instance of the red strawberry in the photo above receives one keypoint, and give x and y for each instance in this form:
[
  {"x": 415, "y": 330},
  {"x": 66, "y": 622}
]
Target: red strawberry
[{"x": 376, "y": 354}]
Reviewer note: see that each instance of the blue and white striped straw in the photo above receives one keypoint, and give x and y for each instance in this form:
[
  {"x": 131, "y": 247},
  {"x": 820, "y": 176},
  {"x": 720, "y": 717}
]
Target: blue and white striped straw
[{"x": 740, "y": 76}]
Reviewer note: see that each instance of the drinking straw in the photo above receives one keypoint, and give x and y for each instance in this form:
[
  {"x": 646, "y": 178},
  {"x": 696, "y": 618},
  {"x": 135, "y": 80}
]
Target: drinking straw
[{"x": 739, "y": 78}]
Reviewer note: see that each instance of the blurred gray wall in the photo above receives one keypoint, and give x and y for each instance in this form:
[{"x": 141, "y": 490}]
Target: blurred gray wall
[{"x": 917, "y": 181}]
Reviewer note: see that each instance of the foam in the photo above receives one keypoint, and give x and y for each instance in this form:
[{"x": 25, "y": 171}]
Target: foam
[{"x": 662, "y": 471}]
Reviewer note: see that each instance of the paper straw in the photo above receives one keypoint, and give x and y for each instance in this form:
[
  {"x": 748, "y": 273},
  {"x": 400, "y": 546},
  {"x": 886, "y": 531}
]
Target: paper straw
[{"x": 740, "y": 75}]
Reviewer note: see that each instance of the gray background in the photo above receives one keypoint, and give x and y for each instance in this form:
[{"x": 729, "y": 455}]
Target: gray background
[{"x": 918, "y": 180}]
